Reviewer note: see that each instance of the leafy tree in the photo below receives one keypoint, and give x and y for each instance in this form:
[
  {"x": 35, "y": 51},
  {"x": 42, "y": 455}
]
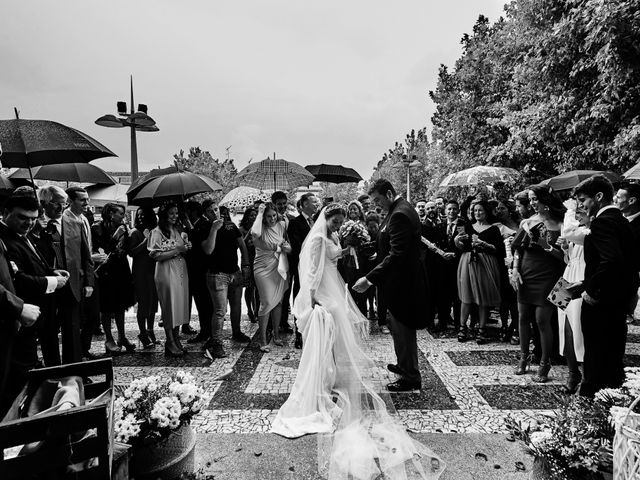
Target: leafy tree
[{"x": 200, "y": 161}]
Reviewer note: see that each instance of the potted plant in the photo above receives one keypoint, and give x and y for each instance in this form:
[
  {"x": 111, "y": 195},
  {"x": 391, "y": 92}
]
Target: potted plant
[
  {"x": 576, "y": 442},
  {"x": 153, "y": 416}
]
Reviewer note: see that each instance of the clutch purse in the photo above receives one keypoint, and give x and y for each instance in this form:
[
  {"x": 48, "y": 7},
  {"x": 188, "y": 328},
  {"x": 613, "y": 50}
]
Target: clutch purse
[{"x": 563, "y": 292}]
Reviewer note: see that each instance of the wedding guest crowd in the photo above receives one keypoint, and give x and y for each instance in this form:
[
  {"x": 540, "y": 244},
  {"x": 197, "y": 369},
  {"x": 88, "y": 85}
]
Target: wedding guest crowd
[{"x": 485, "y": 258}]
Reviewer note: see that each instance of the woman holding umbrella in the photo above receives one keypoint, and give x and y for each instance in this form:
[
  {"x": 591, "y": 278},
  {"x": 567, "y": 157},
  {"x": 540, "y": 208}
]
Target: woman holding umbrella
[
  {"x": 167, "y": 246},
  {"x": 114, "y": 276}
]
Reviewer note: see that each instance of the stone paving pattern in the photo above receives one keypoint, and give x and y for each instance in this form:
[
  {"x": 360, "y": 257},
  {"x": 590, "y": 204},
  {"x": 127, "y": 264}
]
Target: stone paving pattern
[{"x": 467, "y": 388}]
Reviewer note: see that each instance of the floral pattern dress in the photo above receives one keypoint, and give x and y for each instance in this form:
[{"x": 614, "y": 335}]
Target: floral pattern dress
[{"x": 172, "y": 281}]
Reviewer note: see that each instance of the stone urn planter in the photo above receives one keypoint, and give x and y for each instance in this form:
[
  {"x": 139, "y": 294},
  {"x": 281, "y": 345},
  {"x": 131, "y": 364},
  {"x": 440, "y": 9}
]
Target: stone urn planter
[
  {"x": 542, "y": 471},
  {"x": 167, "y": 458}
]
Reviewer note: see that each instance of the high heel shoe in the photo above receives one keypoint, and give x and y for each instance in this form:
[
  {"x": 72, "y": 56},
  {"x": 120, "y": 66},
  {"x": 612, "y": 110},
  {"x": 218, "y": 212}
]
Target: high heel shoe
[
  {"x": 152, "y": 336},
  {"x": 481, "y": 338},
  {"x": 179, "y": 345},
  {"x": 543, "y": 372},
  {"x": 462, "y": 334},
  {"x": 572, "y": 384},
  {"x": 124, "y": 342},
  {"x": 145, "y": 341},
  {"x": 111, "y": 348},
  {"x": 522, "y": 365},
  {"x": 169, "y": 352},
  {"x": 278, "y": 342}
]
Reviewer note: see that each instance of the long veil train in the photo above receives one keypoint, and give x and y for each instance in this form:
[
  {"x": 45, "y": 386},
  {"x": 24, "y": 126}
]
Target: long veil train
[{"x": 360, "y": 436}]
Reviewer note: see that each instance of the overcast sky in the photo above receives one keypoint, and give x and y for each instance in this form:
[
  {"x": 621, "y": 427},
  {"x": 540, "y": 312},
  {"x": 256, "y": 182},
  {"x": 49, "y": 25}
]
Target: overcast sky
[{"x": 330, "y": 81}]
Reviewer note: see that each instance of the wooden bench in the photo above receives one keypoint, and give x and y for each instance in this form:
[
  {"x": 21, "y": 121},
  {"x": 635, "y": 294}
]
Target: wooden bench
[{"x": 56, "y": 430}]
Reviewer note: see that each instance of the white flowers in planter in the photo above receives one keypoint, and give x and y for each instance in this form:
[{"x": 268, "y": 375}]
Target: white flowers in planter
[{"x": 152, "y": 407}]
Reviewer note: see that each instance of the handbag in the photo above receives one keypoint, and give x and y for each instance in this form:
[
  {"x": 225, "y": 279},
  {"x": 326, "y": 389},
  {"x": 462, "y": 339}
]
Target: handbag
[{"x": 563, "y": 292}]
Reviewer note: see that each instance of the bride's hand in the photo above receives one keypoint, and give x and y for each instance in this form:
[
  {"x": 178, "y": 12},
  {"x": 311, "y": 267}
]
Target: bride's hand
[{"x": 314, "y": 300}]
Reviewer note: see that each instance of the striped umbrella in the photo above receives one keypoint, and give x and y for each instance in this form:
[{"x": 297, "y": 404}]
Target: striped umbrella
[{"x": 274, "y": 174}]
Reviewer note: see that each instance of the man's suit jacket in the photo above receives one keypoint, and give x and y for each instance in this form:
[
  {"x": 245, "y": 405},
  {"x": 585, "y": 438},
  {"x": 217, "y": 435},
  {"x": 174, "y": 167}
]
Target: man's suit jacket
[
  {"x": 400, "y": 275},
  {"x": 635, "y": 229},
  {"x": 10, "y": 303},
  {"x": 76, "y": 252},
  {"x": 298, "y": 230},
  {"x": 610, "y": 254},
  {"x": 30, "y": 268}
]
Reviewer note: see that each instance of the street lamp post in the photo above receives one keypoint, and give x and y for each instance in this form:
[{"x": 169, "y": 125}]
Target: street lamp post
[
  {"x": 138, "y": 120},
  {"x": 410, "y": 162}
]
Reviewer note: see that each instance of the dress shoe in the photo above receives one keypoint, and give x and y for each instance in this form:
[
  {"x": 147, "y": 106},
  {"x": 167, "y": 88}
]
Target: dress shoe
[
  {"x": 393, "y": 368},
  {"x": 111, "y": 348},
  {"x": 298, "y": 343},
  {"x": 198, "y": 338},
  {"x": 403, "y": 386},
  {"x": 98, "y": 331},
  {"x": 217, "y": 351},
  {"x": 241, "y": 337}
]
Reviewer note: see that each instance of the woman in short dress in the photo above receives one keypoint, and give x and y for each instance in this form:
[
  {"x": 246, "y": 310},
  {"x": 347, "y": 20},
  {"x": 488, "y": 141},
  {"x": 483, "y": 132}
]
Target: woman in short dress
[
  {"x": 270, "y": 269},
  {"x": 143, "y": 270},
  {"x": 479, "y": 268},
  {"x": 167, "y": 246},
  {"x": 538, "y": 263},
  {"x": 251, "y": 297}
]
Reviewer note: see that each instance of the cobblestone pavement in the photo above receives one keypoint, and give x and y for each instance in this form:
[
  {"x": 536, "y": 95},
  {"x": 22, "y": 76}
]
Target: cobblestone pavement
[{"x": 467, "y": 388}]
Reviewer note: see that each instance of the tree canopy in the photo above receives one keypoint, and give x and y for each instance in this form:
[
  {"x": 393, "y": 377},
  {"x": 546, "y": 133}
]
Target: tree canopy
[{"x": 553, "y": 86}]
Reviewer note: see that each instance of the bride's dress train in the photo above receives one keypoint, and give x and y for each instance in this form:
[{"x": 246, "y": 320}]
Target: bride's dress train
[{"x": 332, "y": 396}]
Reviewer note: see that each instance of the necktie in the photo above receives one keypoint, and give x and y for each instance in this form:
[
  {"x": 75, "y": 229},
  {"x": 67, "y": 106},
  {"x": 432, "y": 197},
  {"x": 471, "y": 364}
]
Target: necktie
[
  {"x": 56, "y": 244},
  {"x": 310, "y": 221}
]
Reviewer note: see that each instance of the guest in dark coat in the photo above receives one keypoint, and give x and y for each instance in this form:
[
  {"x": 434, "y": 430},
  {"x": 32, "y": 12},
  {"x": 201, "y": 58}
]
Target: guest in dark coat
[
  {"x": 65, "y": 245},
  {"x": 114, "y": 275},
  {"x": 628, "y": 201},
  {"x": 143, "y": 269},
  {"x": 402, "y": 281},
  {"x": 610, "y": 286},
  {"x": 34, "y": 283},
  {"x": 297, "y": 231}
]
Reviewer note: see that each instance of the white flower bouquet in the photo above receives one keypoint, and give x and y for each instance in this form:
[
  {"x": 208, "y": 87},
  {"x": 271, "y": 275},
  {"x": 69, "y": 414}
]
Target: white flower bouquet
[
  {"x": 354, "y": 234},
  {"x": 152, "y": 407}
]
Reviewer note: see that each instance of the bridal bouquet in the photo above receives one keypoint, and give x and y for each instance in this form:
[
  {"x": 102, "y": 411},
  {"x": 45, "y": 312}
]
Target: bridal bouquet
[
  {"x": 354, "y": 234},
  {"x": 152, "y": 407}
]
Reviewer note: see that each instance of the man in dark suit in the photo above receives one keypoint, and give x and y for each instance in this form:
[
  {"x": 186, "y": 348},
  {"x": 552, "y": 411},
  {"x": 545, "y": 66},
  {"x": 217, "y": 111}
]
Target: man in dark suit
[
  {"x": 628, "y": 201},
  {"x": 33, "y": 279},
  {"x": 401, "y": 279},
  {"x": 14, "y": 315},
  {"x": 298, "y": 230},
  {"x": 65, "y": 245},
  {"x": 610, "y": 286}
]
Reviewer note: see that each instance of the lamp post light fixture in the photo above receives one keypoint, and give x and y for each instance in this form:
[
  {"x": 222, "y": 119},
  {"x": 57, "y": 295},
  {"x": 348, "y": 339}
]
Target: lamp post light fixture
[
  {"x": 138, "y": 120},
  {"x": 410, "y": 161}
]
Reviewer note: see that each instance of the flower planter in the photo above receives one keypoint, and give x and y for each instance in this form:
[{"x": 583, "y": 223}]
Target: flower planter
[{"x": 167, "y": 459}]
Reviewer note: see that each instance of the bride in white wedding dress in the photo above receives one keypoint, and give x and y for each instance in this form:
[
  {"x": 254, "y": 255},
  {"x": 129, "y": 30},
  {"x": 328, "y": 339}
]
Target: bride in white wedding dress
[{"x": 332, "y": 396}]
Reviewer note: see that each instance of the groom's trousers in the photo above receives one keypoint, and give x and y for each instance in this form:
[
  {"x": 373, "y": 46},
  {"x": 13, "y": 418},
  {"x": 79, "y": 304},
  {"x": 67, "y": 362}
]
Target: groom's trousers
[{"x": 406, "y": 347}]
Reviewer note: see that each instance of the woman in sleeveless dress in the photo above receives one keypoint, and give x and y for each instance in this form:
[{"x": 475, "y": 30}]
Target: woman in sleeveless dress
[
  {"x": 538, "y": 263},
  {"x": 332, "y": 394},
  {"x": 270, "y": 270}
]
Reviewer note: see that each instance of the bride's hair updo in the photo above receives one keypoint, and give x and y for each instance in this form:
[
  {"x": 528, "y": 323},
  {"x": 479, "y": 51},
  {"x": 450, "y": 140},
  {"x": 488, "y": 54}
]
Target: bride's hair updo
[{"x": 334, "y": 209}]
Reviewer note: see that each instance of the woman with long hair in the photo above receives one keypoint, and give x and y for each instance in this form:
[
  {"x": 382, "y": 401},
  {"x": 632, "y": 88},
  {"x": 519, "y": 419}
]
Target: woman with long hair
[
  {"x": 167, "y": 246},
  {"x": 270, "y": 269},
  {"x": 479, "y": 268},
  {"x": 143, "y": 269},
  {"x": 505, "y": 215},
  {"x": 538, "y": 263},
  {"x": 333, "y": 394},
  {"x": 350, "y": 271},
  {"x": 114, "y": 275},
  {"x": 251, "y": 297}
]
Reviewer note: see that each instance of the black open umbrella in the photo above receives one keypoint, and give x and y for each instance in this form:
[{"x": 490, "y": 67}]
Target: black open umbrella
[
  {"x": 31, "y": 143},
  {"x": 66, "y": 172},
  {"x": 177, "y": 186},
  {"x": 333, "y": 173}
]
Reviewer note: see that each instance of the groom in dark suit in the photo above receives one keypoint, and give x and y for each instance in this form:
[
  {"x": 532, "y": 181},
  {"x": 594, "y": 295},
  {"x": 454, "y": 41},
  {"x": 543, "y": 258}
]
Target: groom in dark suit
[
  {"x": 401, "y": 280},
  {"x": 610, "y": 286},
  {"x": 298, "y": 230}
]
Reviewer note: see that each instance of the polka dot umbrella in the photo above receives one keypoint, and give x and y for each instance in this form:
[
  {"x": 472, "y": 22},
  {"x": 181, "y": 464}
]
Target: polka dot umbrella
[{"x": 241, "y": 197}]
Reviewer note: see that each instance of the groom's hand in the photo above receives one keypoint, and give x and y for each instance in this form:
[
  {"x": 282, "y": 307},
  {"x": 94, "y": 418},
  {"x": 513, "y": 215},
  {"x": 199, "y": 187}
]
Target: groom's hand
[{"x": 362, "y": 285}]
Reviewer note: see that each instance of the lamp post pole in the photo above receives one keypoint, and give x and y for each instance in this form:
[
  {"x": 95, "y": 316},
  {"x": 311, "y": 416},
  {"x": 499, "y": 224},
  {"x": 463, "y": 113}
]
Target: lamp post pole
[
  {"x": 409, "y": 162},
  {"x": 135, "y": 120}
]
